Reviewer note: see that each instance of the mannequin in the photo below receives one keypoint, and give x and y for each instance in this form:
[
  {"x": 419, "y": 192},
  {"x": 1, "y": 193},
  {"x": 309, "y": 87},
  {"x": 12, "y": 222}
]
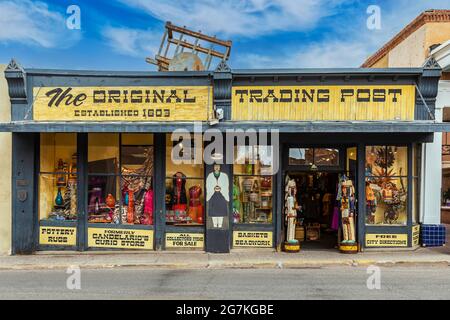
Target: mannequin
[
  {"x": 147, "y": 217},
  {"x": 179, "y": 197},
  {"x": 195, "y": 206}
]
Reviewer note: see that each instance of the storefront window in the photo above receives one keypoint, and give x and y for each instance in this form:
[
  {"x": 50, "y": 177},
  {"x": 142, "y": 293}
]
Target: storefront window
[
  {"x": 58, "y": 177},
  {"x": 386, "y": 185},
  {"x": 184, "y": 187},
  {"x": 301, "y": 156},
  {"x": 122, "y": 196},
  {"x": 252, "y": 185},
  {"x": 313, "y": 156}
]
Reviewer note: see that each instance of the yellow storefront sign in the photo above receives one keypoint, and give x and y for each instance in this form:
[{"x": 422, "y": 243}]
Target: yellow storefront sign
[
  {"x": 255, "y": 239},
  {"x": 122, "y": 103},
  {"x": 415, "y": 235},
  {"x": 185, "y": 240},
  {"x": 323, "y": 103},
  {"x": 386, "y": 240},
  {"x": 57, "y": 236},
  {"x": 120, "y": 238}
]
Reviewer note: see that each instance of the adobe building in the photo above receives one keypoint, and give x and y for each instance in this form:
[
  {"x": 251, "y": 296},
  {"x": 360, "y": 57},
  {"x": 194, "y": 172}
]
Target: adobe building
[{"x": 427, "y": 40}]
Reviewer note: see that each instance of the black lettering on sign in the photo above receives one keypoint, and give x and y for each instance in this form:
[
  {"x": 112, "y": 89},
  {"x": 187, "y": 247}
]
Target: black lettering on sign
[
  {"x": 395, "y": 92},
  {"x": 363, "y": 95},
  {"x": 99, "y": 96},
  {"x": 241, "y": 93},
  {"x": 136, "y": 96},
  {"x": 256, "y": 96},
  {"x": 285, "y": 95},
  {"x": 379, "y": 95},
  {"x": 346, "y": 93},
  {"x": 186, "y": 99},
  {"x": 270, "y": 94},
  {"x": 309, "y": 96},
  {"x": 323, "y": 95}
]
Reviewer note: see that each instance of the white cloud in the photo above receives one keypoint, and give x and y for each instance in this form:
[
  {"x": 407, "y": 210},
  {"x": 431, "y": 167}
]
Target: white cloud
[
  {"x": 349, "y": 45},
  {"x": 239, "y": 17},
  {"x": 132, "y": 42},
  {"x": 31, "y": 22},
  {"x": 331, "y": 54}
]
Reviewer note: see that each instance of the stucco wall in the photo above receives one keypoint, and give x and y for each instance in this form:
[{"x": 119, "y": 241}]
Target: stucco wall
[
  {"x": 382, "y": 63},
  {"x": 5, "y": 168},
  {"x": 411, "y": 51}
]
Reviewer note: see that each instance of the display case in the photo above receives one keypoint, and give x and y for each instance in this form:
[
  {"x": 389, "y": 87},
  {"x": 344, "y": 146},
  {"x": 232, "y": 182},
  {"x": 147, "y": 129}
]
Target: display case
[
  {"x": 386, "y": 185},
  {"x": 120, "y": 179},
  {"x": 184, "y": 186},
  {"x": 253, "y": 185},
  {"x": 58, "y": 177}
]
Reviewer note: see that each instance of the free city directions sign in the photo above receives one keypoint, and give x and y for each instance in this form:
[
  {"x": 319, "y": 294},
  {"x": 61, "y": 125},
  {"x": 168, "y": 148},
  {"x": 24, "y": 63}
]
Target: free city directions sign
[
  {"x": 323, "y": 103},
  {"x": 155, "y": 103}
]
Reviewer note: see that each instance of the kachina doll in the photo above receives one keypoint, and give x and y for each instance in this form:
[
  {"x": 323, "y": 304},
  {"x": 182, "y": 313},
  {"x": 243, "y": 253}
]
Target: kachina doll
[
  {"x": 371, "y": 204},
  {"x": 236, "y": 204},
  {"x": 290, "y": 208},
  {"x": 346, "y": 196}
]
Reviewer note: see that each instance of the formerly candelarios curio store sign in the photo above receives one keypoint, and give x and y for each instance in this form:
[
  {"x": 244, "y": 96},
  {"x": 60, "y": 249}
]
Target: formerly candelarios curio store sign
[{"x": 93, "y": 165}]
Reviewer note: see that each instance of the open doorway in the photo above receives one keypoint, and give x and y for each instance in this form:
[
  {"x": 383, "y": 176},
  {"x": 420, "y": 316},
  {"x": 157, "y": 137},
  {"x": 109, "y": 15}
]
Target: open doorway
[{"x": 316, "y": 200}]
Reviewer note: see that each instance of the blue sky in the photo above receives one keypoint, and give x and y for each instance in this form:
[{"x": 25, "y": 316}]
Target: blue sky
[{"x": 119, "y": 34}]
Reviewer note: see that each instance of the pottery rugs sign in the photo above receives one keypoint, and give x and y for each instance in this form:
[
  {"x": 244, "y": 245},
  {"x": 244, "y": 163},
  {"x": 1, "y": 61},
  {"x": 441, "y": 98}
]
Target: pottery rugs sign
[
  {"x": 122, "y": 103},
  {"x": 57, "y": 236}
]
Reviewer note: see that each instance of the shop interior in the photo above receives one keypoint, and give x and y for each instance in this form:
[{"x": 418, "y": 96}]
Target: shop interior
[
  {"x": 316, "y": 201},
  {"x": 319, "y": 196}
]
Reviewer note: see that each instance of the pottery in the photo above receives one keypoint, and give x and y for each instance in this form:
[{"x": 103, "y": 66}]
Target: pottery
[{"x": 59, "y": 198}]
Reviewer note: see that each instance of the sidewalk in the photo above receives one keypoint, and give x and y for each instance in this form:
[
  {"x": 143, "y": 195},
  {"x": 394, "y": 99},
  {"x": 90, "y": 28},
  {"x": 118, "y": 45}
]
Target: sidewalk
[
  {"x": 242, "y": 258},
  {"x": 235, "y": 259}
]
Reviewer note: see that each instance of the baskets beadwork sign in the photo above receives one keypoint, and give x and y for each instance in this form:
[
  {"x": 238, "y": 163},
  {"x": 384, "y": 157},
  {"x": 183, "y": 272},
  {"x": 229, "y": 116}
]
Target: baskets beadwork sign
[
  {"x": 122, "y": 103},
  {"x": 255, "y": 239},
  {"x": 323, "y": 103}
]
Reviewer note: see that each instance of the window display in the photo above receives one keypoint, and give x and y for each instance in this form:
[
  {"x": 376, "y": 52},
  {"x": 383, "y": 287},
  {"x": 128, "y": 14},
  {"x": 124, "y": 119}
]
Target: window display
[
  {"x": 252, "y": 185},
  {"x": 58, "y": 177},
  {"x": 125, "y": 195},
  {"x": 184, "y": 190},
  {"x": 386, "y": 185}
]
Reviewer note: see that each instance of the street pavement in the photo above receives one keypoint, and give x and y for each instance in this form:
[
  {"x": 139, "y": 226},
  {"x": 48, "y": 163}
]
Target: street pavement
[{"x": 343, "y": 282}]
